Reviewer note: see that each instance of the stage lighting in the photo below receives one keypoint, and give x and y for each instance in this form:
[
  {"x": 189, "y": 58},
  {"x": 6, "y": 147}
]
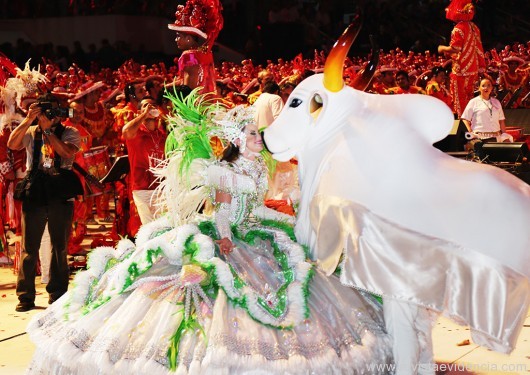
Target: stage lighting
[{"x": 515, "y": 152}]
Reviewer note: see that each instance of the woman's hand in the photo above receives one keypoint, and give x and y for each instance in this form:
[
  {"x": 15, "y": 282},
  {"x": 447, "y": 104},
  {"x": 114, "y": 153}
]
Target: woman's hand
[{"x": 225, "y": 245}]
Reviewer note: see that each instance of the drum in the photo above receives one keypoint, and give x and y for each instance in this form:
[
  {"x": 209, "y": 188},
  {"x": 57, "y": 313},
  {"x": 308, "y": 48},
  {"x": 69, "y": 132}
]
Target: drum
[{"x": 97, "y": 163}]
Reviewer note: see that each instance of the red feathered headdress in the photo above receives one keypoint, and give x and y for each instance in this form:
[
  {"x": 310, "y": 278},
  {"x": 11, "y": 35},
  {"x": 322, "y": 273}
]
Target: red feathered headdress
[
  {"x": 7, "y": 69},
  {"x": 199, "y": 17},
  {"x": 460, "y": 10}
]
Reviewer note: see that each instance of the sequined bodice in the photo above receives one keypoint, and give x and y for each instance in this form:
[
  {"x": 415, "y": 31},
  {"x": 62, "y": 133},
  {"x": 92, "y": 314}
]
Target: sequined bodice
[
  {"x": 256, "y": 170},
  {"x": 244, "y": 201}
]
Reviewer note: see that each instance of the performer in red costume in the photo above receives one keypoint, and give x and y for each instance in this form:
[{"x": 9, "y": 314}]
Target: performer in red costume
[
  {"x": 93, "y": 111},
  {"x": 512, "y": 79},
  {"x": 92, "y": 117},
  {"x": 127, "y": 218},
  {"x": 466, "y": 53},
  {"x": 197, "y": 25},
  {"x": 435, "y": 86},
  {"x": 146, "y": 138},
  {"x": 18, "y": 88},
  {"x": 81, "y": 204}
]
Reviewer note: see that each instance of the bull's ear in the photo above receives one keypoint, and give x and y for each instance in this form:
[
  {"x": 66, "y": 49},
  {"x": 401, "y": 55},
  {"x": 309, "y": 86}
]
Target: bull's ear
[{"x": 333, "y": 69}]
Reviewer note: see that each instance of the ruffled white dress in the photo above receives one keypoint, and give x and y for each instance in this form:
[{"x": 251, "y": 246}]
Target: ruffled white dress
[{"x": 169, "y": 303}]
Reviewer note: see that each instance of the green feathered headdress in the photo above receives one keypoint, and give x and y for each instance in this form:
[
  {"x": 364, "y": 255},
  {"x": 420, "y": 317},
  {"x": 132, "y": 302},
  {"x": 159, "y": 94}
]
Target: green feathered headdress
[{"x": 190, "y": 126}]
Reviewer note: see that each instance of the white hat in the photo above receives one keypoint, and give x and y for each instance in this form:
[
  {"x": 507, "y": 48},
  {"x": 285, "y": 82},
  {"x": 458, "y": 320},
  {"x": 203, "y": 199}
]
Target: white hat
[
  {"x": 88, "y": 87},
  {"x": 387, "y": 68},
  {"x": 513, "y": 58}
]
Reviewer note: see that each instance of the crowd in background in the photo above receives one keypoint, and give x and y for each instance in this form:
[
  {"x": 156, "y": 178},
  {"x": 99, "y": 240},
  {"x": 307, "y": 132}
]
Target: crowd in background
[
  {"x": 258, "y": 29},
  {"x": 237, "y": 80}
]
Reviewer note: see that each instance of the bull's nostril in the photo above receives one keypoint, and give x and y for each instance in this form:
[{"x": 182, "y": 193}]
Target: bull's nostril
[{"x": 263, "y": 140}]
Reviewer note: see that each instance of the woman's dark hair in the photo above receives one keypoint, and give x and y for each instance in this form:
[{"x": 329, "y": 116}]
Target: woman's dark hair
[{"x": 231, "y": 153}]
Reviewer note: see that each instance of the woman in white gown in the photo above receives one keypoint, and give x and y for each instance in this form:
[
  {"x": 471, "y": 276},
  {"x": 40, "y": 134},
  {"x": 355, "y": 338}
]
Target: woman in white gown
[{"x": 234, "y": 294}]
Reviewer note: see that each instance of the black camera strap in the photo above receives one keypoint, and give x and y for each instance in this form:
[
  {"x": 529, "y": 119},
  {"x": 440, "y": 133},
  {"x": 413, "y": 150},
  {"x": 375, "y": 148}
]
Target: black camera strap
[
  {"x": 59, "y": 130},
  {"x": 37, "y": 146}
]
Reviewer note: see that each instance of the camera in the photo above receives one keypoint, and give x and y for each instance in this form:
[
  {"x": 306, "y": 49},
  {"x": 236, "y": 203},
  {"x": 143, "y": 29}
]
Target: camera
[{"x": 52, "y": 110}]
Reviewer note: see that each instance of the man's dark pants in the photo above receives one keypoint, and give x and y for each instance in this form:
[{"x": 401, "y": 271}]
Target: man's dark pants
[{"x": 59, "y": 216}]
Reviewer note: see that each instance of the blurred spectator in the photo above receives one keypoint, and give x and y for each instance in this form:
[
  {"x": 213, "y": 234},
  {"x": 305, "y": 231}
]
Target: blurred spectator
[
  {"x": 264, "y": 76},
  {"x": 386, "y": 79},
  {"x": 268, "y": 105},
  {"x": 145, "y": 137},
  {"x": 154, "y": 86},
  {"x": 286, "y": 89},
  {"x": 436, "y": 86},
  {"x": 514, "y": 81},
  {"x": 404, "y": 86}
]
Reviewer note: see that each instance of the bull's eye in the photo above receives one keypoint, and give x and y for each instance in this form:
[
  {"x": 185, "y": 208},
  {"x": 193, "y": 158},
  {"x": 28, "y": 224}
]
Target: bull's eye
[
  {"x": 316, "y": 105},
  {"x": 295, "y": 102}
]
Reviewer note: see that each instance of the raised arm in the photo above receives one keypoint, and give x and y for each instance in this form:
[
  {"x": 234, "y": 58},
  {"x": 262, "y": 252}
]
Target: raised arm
[
  {"x": 130, "y": 129},
  {"x": 16, "y": 138}
]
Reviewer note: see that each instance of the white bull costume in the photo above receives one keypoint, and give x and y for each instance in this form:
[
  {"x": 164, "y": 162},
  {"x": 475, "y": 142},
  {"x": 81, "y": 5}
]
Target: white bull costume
[{"x": 412, "y": 223}]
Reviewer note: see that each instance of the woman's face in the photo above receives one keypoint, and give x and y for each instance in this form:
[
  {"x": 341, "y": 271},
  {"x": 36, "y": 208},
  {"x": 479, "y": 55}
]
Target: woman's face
[
  {"x": 485, "y": 87},
  {"x": 254, "y": 141},
  {"x": 185, "y": 41}
]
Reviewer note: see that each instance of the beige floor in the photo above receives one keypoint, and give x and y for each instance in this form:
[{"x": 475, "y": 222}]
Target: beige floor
[{"x": 451, "y": 358}]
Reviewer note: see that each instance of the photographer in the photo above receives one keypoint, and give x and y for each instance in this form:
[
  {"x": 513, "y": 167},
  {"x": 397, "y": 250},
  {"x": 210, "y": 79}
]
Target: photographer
[{"x": 47, "y": 194}]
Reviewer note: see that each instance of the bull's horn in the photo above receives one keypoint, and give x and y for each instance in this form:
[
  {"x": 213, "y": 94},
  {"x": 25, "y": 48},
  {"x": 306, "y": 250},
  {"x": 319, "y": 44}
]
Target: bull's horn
[
  {"x": 363, "y": 79},
  {"x": 333, "y": 69}
]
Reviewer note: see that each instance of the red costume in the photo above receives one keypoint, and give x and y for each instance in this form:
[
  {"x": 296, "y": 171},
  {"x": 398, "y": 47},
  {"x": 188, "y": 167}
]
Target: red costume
[
  {"x": 81, "y": 204},
  {"x": 383, "y": 85},
  {"x": 127, "y": 218},
  {"x": 94, "y": 121},
  {"x": 433, "y": 88},
  {"x": 465, "y": 38},
  {"x": 122, "y": 115},
  {"x": 206, "y": 67},
  {"x": 513, "y": 79},
  {"x": 381, "y": 88},
  {"x": 201, "y": 18},
  {"x": 410, "y": 90},
  {"x": 144, "y": 150},
  {"x": 12, "y": 170}
]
